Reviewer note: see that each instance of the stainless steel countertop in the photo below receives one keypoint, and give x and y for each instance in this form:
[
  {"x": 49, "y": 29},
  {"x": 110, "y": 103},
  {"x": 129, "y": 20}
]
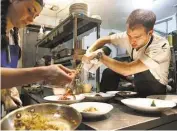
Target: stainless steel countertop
[{"x": 123, "y": 117}]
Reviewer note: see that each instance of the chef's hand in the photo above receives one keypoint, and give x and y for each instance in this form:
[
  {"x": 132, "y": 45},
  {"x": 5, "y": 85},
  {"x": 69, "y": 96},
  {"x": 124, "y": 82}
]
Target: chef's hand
[
  {"x": 90, "y": 56},
  {"x": 59, "y": 75}
]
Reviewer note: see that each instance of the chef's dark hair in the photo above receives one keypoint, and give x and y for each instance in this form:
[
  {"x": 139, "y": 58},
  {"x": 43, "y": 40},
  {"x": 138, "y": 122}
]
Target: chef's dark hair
[
  {"x": 143, "y": 17},
  {"x": 4, "y": 10}
]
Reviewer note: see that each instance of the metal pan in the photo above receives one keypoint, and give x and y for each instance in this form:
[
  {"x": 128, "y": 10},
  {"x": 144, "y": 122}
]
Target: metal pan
[{"x": 64, "y": 114}]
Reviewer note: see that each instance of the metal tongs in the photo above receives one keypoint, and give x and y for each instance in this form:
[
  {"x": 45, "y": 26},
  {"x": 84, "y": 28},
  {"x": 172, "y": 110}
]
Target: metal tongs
[{"x": 72, "y": 86}]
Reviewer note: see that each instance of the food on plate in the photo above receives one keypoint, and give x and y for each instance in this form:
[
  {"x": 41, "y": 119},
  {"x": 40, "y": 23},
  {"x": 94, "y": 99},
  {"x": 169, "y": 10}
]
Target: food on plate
[
  {"x": 67, "y": 94},
  {"x": 64, "y": 97},
  {"x": 36, "y": 121},
  {"x": 153, "y": 104},
  {"x": 90, "y": 109}
]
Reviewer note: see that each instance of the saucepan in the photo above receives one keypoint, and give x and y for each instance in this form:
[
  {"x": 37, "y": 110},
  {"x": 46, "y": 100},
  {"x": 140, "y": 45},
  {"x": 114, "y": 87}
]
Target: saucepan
[{"x": 46, "y": 116}]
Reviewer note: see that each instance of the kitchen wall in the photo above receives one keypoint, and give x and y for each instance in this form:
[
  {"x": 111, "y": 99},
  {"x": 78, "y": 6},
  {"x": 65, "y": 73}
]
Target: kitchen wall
[{"x": 167, "y": 27}]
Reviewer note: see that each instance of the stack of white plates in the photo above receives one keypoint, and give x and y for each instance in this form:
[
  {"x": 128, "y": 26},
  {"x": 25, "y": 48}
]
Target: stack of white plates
[{"x": 78, "y": 8}]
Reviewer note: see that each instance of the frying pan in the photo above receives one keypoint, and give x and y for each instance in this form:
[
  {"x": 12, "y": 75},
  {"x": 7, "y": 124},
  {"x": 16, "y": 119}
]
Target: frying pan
[{"x": 67, "y": 114}]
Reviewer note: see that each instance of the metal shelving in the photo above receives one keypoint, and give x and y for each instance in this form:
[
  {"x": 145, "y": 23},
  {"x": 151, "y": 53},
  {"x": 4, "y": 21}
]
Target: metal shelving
[{"x": 71, "y": 28}]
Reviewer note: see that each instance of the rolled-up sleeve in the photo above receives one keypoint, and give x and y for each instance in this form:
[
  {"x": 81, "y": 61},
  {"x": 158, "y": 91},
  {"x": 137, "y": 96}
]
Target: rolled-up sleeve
[
  {"x": 156, "y": 54},
  {"x": 118, "y": 38}
]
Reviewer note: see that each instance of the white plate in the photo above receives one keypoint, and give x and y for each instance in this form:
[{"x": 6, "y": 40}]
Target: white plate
[
  {"x": 144, "y": 104},
  {"x": 102, "y": 97},
  {"x": 102, "y": 108},
  {"x": 55, "y": 98},
  {"x": 164, "y": 97},
  {"x": 131, "y": 93},
  {"x": 112, "y": 92}
]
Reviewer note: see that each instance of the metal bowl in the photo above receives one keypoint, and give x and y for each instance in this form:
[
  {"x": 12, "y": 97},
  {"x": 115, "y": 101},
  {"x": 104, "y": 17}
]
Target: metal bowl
[{"x": 66, "y": 114}]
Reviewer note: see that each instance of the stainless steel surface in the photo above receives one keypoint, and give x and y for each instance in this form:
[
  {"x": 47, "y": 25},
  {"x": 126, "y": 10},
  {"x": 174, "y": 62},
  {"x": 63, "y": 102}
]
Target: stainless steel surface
[
  {"x": 122, "y": 117},
  {"x": 48, "y": 110}
]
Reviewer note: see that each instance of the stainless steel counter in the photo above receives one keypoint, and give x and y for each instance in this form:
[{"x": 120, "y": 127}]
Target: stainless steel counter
[{"x": 123, "y": 117}]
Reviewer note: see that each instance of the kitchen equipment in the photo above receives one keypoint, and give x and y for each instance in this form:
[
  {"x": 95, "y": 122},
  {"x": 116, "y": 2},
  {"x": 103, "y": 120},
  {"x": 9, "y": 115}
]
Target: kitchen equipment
[
  {"x": 78, "y": 8},
  {"x": 66, "y": 115},
  {"x": 122, "y": 93},
  {"x": 64, "y": 53},
  {"x": 145, "y": 104},
  {"x": 56, "y": 99},
  {"x": 100, "y": 108},
  {"x": 87, "y": 88}
]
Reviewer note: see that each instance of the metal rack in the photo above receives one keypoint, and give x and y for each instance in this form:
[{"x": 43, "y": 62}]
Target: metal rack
[{"x": 70, "y": 28}]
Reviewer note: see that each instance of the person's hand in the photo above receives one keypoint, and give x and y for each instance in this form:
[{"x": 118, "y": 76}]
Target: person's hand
[
  {"x": 59, "y": 75},
  {"x": 90, "y": 56}
]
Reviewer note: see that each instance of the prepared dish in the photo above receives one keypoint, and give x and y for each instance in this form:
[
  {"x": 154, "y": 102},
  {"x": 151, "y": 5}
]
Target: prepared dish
[
  {"x": 36, "y": 121},
  {"x": 90, "y": 109},
  {"x": 64, "y": 97},
  {"x": 153, "y": 104}
]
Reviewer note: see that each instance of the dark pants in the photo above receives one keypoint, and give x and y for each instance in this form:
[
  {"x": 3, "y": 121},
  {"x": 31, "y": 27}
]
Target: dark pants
[{"x": 110, "y": 79}]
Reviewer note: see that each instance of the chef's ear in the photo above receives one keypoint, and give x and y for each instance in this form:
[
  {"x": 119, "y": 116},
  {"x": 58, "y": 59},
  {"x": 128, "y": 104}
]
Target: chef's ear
[{"x": 150, "y": 32}]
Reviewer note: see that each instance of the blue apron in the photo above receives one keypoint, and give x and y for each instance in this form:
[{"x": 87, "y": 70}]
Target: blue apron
[{"x": 10, "y": 58}]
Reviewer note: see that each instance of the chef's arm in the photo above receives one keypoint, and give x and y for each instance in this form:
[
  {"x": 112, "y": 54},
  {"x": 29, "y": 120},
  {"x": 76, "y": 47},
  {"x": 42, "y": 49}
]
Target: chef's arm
[
  {"x": 124, "y": 68},
  {"x": 99, "y": 43},
  {"x": 17, "y": 77}
]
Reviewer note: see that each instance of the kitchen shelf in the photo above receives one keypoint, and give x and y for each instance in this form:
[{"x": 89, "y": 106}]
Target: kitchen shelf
[
  {"x": 64, "y": 31},
  {"x": 70, "y": 29},
  {"x": 36, "y": 28}
]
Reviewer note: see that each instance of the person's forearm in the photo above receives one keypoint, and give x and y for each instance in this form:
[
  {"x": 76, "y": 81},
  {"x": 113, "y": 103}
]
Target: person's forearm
[
  {"x": 17, "y": 77},
  {"x": 99, "y": 43},
  {"x": 123, "y": 68}
]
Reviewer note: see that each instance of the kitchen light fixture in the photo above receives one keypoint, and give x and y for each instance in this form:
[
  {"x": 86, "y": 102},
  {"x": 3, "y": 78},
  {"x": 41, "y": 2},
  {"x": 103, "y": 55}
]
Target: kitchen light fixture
[{"x": 143, "y": 4}]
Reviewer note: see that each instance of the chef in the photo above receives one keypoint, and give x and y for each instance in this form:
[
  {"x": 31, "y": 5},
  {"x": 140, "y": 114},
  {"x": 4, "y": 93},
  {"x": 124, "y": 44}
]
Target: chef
[{"x": 150, "y": 53}]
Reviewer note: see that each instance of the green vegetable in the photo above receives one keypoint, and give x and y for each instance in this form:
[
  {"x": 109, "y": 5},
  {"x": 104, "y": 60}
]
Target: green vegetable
[{"x": 153, "y": 104}]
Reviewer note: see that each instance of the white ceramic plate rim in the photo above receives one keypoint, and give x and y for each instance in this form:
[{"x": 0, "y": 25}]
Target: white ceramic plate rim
[
  {"x": 80, "y": 97},
  {"x": 115, "y": 92},
  {"x": 92, "y": 95},
  {"x": 146, "y": 108},
  {"x": 168, "y": 97},
  {"x": 92, "y": 104}
]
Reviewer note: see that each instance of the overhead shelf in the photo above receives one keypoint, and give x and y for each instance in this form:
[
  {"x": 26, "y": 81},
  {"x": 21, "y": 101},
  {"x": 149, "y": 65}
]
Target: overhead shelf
[{"x": 64, "y": 31}]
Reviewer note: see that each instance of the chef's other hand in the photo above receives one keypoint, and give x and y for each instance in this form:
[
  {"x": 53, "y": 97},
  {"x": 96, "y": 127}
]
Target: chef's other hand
[
  {"x": 59, "y": 75},
  {"x": 90, "y": 56}
]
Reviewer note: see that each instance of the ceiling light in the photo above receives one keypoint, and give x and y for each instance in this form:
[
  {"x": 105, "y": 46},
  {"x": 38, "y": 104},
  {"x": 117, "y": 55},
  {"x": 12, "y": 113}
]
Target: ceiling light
[{"x": 143, "y": 4}]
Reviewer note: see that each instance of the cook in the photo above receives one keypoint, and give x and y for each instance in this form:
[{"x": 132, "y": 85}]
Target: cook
[
  {"x": 150, "y": 53},
  {"x": 16, "y": 14}
]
